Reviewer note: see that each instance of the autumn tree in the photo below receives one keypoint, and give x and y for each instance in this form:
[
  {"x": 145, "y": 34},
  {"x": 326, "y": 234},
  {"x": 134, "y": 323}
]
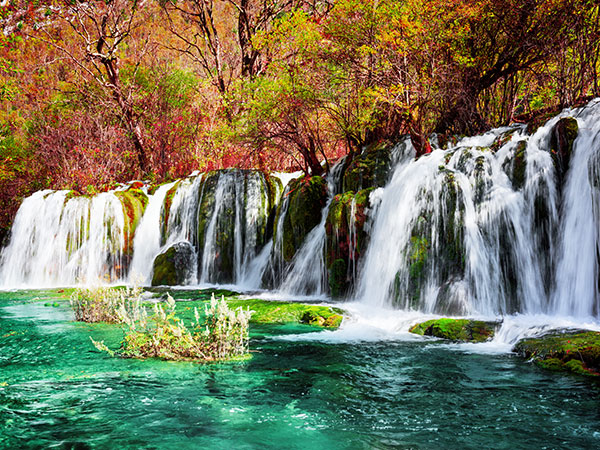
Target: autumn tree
[{"x": 101, "y": 34}]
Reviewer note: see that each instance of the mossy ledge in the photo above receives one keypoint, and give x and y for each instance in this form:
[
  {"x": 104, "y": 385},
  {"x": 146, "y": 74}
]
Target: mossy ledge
[
  {"x": 266, "y": 311},
  {"x": 459, "y": 330},
  {"x": 570, "y": 351}
]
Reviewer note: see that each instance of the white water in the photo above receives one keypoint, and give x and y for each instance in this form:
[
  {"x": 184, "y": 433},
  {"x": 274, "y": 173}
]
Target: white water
[
  {"x": 529, "y": 268},
  {"x": 576, "y": 291},
  {"x": 146, "y": 243},
  {"x": 58, "y": 242}
]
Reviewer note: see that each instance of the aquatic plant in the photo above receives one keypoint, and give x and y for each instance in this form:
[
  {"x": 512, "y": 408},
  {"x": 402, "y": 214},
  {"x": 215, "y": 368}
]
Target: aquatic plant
[
  {"x": 104, "y": 304},
  {"x": 222, "y": 333}
]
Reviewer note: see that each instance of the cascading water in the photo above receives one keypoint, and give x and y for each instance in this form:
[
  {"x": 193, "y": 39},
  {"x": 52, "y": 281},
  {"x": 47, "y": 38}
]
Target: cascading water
[
  {"x": 307, "y": 274},
  {"x": 472, "y": 229},
  {"x": 577, "y": 283},
  {"x": 59, "y": 241},
  {"x": 486, "y": 226},
  {"x": 146, "y": 243}
]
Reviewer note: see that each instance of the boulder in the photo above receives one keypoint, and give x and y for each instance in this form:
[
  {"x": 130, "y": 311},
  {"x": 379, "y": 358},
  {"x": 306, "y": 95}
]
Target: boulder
[{"x": 174, "y": 266}]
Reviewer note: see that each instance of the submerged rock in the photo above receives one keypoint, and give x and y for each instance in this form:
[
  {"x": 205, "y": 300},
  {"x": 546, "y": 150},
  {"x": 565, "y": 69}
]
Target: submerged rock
[
  {"x": 174, "y": 266},
  {"x": 571, "y": 351},
  {"x": 459, "y": 330}
]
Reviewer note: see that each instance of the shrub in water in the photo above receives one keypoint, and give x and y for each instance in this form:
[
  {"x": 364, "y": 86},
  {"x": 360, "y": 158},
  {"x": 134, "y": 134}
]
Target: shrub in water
[
  {"x": 103, "y": 304},
  {"x": 222, "y": 334}
]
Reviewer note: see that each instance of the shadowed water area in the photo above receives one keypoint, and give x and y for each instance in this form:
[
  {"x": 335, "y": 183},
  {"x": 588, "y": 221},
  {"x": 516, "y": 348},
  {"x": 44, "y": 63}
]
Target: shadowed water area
[{"x": 57, "y": 391}]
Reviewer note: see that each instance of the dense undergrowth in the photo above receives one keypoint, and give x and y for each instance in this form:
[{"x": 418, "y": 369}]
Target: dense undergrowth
[{"x": 220, "y": 333}]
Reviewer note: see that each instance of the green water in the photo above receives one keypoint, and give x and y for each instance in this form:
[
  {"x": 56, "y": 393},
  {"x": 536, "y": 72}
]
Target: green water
[{"x": 57, "y": 391}]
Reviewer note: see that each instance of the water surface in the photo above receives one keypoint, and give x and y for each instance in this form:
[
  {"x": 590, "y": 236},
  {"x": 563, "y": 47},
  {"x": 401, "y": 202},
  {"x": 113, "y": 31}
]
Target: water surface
[{"x": 57, "y": 391}]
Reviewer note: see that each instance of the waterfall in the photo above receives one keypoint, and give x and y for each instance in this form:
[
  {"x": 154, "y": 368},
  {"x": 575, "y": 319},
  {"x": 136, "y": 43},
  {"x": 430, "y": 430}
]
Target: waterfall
[
  {"x": 58, "y": 241},
  {"x": 146, "y": 244},
  {"x": 576, "y": 288},
  {"x": 454, "y": 232},
  {"x": 497, "y": 224},
  {"x": 307, "y": 274}
]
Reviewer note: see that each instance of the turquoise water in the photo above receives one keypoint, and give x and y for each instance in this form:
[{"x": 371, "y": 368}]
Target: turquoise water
[{"x": 57, "y": 391}]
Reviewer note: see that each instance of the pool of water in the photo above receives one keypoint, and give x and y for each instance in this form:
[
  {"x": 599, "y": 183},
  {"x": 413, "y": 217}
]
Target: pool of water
[{"x": 58, "y": 391}]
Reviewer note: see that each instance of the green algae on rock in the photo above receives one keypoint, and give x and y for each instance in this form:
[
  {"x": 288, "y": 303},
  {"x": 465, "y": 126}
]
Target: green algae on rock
[
  {"x": 371, "y": 168},
  {"x": 172, "y": 267},
  {"x": 570, "y": 351},
  {"x": 266, "y": 311},
  {"x": 307, "y": 197},
  {"x": 346, "y": 239},
  {"x": 460, "y": 330}
]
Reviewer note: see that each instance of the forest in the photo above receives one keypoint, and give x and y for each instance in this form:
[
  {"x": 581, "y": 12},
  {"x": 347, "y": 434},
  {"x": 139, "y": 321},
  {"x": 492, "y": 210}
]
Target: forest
[{"x": 98, "y": 92}]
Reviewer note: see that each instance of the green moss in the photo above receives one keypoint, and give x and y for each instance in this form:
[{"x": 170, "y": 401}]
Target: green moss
[
  {"x": 460, "y": 330},
  {"x": 172, "y": 267},
  {"x": 369, "y": 169},
  {"x": 265, "y": 311},
  {"x": 577, "y": 352},
  {"x": 346, "y": 238},
  {"x": 307, "y": 197},
  {"x": 134, "y": 202},
  {"x": 338, "y": 278}
]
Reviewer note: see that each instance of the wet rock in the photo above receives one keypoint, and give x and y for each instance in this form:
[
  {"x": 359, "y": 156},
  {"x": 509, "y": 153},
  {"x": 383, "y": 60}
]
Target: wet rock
[
  {"x": 458, "y": 330},
  {"x": 134, "y": 202},
  {"x": 174, "y": 266},
  {"x": 346, "y": 239},
  {"x": 570, "y": 351},
  {"x": 371, "y": 168},
  {"x": 307, "y": 197},
  {"x": 562, "y": 137}
]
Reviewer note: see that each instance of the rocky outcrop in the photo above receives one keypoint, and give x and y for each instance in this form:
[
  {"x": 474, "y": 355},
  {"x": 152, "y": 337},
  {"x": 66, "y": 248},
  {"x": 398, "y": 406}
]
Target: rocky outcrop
[
  {"x": 346, "y": 239},
  {"x": 562, "y": 138},
  {"x": 307, "y": 197},
  {"x": 371, "y": 168},
  {"x": 174, "y": 266},
  {"x": 134, "y": 203},
  {"x": 570, "y": 351}
]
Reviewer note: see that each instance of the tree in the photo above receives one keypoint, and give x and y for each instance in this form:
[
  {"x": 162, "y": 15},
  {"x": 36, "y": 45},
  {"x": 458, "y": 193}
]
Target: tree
[{"x": 101, "y": 33}]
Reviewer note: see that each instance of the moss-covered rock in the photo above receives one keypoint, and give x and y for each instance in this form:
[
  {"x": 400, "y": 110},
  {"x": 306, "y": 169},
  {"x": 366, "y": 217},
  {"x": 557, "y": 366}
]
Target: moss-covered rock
[
  {"x": 165, "y": 212},
  {"x": 459, "y": 330},
  {"x": 346, "y": 238},
  {"x": 134, "y": 202},
  {"x": 369, "y": 169},
  {"x": 562, "y": 137},
  {"x": 571, "y": 351},
  {"x": 265, "y": 311},
  {"x": 173, "y": 267},
  {"x": 516, "y": 167},
  {"x": 307, "y": 197}
]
